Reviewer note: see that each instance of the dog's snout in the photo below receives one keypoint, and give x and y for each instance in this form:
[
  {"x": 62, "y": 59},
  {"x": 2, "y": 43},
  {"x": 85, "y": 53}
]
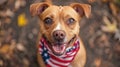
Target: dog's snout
[{"x": 59, "y": 35}]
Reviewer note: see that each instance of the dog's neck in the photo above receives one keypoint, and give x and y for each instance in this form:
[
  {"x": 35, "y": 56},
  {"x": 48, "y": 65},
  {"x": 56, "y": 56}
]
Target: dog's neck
[{"x": 52, "y": 60}]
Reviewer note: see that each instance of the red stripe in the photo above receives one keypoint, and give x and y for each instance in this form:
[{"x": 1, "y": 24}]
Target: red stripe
[
  {"x": 58, "y": 59},
  {"x": 48, "y": 65},
  {"x": 57, "y": 64}
]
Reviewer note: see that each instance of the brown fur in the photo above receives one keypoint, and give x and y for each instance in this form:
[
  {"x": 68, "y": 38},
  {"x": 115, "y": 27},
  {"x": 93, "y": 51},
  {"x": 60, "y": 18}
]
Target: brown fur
[{"x": 60, "y": 15}]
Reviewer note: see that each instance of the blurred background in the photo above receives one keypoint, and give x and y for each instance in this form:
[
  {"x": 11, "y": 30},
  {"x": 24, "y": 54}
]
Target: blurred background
[{"x": 19, "y": 31}]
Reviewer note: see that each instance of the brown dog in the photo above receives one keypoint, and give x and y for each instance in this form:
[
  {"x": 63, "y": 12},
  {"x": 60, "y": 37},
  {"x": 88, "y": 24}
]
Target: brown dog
[{"x": 59, "y": 41}]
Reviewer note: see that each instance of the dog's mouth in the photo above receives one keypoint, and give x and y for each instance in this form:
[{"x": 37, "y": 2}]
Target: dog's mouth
[{"x": 58, "y": 48}]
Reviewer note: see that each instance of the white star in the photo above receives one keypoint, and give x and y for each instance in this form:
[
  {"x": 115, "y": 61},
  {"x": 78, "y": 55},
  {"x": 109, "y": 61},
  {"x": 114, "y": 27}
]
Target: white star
[
  {"x": 74, "y": 47},
  {"x": 45, "y": 54},
  {"x": 44, "y": 48}
]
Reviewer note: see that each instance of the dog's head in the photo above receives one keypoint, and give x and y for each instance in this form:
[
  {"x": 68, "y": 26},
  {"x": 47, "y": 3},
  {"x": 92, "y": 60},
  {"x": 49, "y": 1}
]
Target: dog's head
[{"x": 60, "y": 24}]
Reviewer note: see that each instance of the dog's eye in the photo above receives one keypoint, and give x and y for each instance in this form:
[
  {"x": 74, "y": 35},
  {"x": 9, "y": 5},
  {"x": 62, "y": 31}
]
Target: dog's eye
[
  {"x": 48, "y": 20},
  {"x": 71, "y": 20}
]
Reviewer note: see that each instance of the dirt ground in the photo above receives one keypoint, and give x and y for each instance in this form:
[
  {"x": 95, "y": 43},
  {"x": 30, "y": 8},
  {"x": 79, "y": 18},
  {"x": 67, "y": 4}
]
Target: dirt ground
[{"x": 19, "y": 31}]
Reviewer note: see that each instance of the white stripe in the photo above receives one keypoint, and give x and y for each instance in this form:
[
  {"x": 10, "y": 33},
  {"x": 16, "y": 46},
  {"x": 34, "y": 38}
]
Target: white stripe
[
  {"x": 73, "y": 53},
  {"x": 51, "y": 64},
  {"x": 69, "y": 58},
  {"x": 61, "y": 57},
  {"x": 60, "y": 63}
]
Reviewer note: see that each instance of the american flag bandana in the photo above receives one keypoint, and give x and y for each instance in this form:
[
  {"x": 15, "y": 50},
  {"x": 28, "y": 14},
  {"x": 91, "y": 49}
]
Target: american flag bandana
[{"x": 52, "y": 60}]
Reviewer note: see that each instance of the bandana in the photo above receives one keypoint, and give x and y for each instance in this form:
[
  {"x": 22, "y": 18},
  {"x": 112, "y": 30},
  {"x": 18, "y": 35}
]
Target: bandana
[{"x": 52, "y": 60}]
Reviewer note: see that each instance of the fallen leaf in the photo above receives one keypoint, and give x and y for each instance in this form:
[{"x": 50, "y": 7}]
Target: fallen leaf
[
  {"x": 103, "y": 41},
  {"x": 117, "y": 35},
  {"x": 9, "y": 13},
  {"x": 20, "y": 47},
  {"x": 30, "y": 36},
  {"x": 97, "y": 62},
  {"x": 6, "y": 13},
  {"x": 91, "y": 1},
  {"x": 109, "y": 27},
  {"x": 19, "y": 3},
  {"x": 114, "y": 9},
  {"x": 92, "y": 40},
  {"x": 116, "y": 49},
  {"x": 22, "y": 20},
  {"x": 26, "y": 62},
  {"x": 7, "y": 20},
  {"x": 2, "y": 1},
  {"x": 1, "y": 62},
  {"x": 105, "y": 1},
  {"x": 4, "y": 49}
]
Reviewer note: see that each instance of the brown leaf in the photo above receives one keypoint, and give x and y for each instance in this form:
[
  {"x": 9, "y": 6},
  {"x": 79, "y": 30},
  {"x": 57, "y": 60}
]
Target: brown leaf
[
  {"x": 97, "y": 62},
  {"x": 9, "y": 13},
  {"x": 105, "y": 1},
  {"x": 6, "y": 13},
  {"x": 91, "y": 1},
  {"x": 114, "y": 8},
  {"x": 19, "y": 3},
  {"x": 2, "y": 1},
  {"x": 20, "y": 47},
  {"x": 1, "y": 63},
  {"x": 4, "y": 49},
  {"x": 117, "y": 35},
  {"x": 26, "y": 62},
  {"x": 117, "y": 49}
]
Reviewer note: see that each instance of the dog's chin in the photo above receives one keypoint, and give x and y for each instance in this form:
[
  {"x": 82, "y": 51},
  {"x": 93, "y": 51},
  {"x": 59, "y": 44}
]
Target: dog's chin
[{"x": 58, "y": 48}]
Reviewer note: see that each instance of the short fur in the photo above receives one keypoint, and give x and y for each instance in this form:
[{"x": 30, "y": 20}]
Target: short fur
[{"x": 60, "y": 15}]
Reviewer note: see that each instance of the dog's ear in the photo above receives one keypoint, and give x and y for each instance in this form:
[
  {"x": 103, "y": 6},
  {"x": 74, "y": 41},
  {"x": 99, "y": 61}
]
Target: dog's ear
[
  {"x": 38, "y": 8},
  {"x": 82, "y": 9}
]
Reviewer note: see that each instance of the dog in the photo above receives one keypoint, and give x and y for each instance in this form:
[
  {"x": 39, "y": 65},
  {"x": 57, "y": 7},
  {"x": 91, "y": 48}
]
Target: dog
[{"x": 59, "y": 44}]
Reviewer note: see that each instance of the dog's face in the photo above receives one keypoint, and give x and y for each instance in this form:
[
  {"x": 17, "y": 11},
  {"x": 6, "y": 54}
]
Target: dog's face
[{"x": 59, "y": 24}]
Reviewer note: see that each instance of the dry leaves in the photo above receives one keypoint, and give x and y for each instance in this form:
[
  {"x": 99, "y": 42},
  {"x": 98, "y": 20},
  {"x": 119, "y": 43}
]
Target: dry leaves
[
  {"x": 22, "y": 20},
  {"x": 97, "y": 62},
  {"x": 109, "y": 27},
  {"x": 114, "y": 8},
  {"x": 117, "y": 50},
  {"x": 7, "y": 13},
  {"x": 20, "y": 47},
  {"x": 2, "y": 1},
  {"x": 91, "y": 1},
  {"x": 4, "y": 49},
  {"x": 117, "y": 35},
  {"x": 19, "y": 3},
  {"x": 1, "y": 62}
]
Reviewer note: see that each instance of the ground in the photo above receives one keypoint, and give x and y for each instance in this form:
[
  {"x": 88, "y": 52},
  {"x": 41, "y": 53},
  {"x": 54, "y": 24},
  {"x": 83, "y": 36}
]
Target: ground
[{"x": 19, "y": 31}]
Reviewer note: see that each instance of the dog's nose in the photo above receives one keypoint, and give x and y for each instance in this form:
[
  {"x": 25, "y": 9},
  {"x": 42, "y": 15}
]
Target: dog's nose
[{"x": 59, "y": 35}]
